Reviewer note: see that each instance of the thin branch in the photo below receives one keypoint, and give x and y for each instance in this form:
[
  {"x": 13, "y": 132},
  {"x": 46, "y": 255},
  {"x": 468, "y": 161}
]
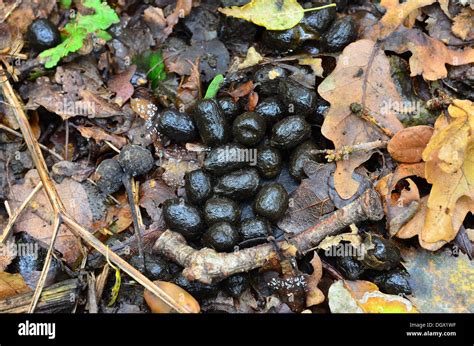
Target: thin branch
[
  {"x": 46, "y": 266},
  {"x": 207, "y": 265}
]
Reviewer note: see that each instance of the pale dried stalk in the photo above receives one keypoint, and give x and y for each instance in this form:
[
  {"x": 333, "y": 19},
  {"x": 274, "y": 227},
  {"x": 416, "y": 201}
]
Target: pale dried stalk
[
  {"x": 207, "y": 265},
  {"x": 58, "y": 207}
]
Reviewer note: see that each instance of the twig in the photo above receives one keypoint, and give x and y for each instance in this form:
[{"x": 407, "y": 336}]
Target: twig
[
  {"x": 18, "y": 134},
  {"x": 101, "y": 281},
  {"x": 91, "y": 293},
  {"x": 47, "y": 264},
  {"x": 58, "y": 207},
  {"x": 8, "y": 228},
  {"x": 207, "y": 265},
  {"x": 345, "y": 151}
]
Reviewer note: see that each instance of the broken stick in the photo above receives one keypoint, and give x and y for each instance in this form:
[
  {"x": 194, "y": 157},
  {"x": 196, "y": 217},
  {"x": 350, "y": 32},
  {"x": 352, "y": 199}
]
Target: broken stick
[{"x": 207, "y": 265}]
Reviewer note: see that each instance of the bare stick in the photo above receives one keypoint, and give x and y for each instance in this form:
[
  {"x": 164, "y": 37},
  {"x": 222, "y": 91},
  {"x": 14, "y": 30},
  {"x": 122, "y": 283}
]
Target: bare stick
[
  {"x": 58, "y": 207},
  {"x": 345, "y": 151},
  {"x": 207, "y": 265},
  {"x": 47, "y": 264},
  {"x": 8, "y": 228}
]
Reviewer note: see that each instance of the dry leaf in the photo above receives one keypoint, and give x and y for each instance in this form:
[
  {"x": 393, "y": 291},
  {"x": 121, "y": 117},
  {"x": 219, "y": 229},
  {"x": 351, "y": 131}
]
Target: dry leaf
[
  {"x": 408, "y": 144},
  {"x": 253, "y": 58},
  {"x": 242, "y": 90},
  {"x": 11, "y": 285},
  {"x": 344, "y": 86},
  {"x": 463, "y": 25},
  {"x": 440, "y": 282},
  {"x": 37, "y": 219},
  {"x": 121, "y": 86},
  {"x": 449, "y": 158},
  {"x": 190, "y": 90},
  {"x": 309, "y": 201},
  {"x": 314, "y": 296},
  {"x": 175, "y": 169},
  {"x": 429, "y": 56},
  {"x": 396, "y": 12},
  {"x": 315, "y": 64},
  {"x": 152, "y": 194},
  {"x": 99, "y": 135},
  {"x": 364, "y": 297}
]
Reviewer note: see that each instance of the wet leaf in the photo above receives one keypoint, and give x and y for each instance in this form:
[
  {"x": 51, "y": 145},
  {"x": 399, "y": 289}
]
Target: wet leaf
[
  {"x": 12, "y": 285},
  {"x": 253, "y": 58},
  {"x": 364, "y": 297},
  {"x": 121, "y": 86},
  {"x": 346, "y": 85},
  {"x": 441, "y": 283}
]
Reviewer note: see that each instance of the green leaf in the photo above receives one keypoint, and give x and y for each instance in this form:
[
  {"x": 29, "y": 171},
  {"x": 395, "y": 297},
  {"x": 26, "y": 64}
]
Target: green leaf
[
  {"x": 271, "y": 14},
  {"x": 214, "y": 86},
  {"x": 156, "y": 70},
  {"x": 65, "y": 3},
  {"x": 76, "y": 32}
]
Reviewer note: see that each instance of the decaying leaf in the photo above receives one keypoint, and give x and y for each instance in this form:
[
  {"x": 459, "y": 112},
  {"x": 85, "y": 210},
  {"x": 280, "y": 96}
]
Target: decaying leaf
[
  {"x": 362, "y": 75},
  {"x": 364, "y": 297},
  {"x": 11, "y": 285},
  {"x": 429, "y": 56},
  {"x": 37, "y": 219},
  {"x": 441, "y": 283},
  {"x": 309, "y": 201},
  {"x": 449, "y": 158},
  {"x": 408, "y": 144},
  {"x": 352, "y": 238},
  {"x": 99, "y": 135}
]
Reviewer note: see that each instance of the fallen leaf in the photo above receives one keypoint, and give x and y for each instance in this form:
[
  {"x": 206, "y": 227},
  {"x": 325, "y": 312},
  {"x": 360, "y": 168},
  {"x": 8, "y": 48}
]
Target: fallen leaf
[
  {"x": 121, "y": 86},
  {"x": 439, "y": 25},
  {"x": 408, "y": 144},
  {"x": 253, "y": 58},
  {"x": 346, "y": 85},
  {"x": 99, "y": 135},
  {"x": 37, "y": 219},
  {"x": 352, "y": 238},
  {"x": 429, "y": 56},
  {"x": 309, "y": 201},
  {"x": 12, "y": 285},
  {"x": 314, "y": 296},
  {"x": 449, "y": 157},
  {"x": 396, "y": 12},
  {"x": 463, "y": 24},
  {"x": 315, "y": 64},
  {"x": 242, "y": 90},
  {"x": 182, "y": 9},
  {"x": 271, "y": 14},
  {"x": 440, "y": 282},
  {"x": 152, "y": 194},
  {"x": 364, "y": 297},
  {"x": 175, "y": 169},
  {"x": 144, "y": 108},
  {"x": 118, "y": 218},
  {"x": 190, "y": 91}
]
